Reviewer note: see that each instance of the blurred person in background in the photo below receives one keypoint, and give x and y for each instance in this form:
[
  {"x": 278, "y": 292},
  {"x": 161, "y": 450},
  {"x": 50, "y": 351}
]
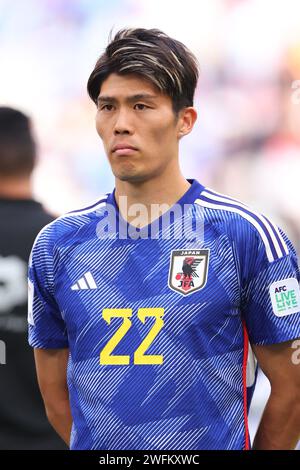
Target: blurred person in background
[{"x": 23, "y": 422}]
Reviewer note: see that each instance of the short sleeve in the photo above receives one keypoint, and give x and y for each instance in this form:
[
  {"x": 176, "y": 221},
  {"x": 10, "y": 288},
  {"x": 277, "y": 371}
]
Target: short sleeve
[
  {"x": 271, "y": 295},
  {"x": 46, "y": 327}
]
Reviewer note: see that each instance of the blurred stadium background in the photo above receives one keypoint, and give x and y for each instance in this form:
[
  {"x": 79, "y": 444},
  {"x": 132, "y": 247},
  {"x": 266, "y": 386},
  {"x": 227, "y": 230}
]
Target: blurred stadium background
[{"x": 247, "y": 138}]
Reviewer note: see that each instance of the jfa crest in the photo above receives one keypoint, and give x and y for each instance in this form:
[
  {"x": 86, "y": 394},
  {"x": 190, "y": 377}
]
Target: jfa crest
[{"x": 188, "y": 270}]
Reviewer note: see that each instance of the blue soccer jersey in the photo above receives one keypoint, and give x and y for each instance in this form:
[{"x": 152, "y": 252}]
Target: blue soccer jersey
[{"x": 159, "y": 323}]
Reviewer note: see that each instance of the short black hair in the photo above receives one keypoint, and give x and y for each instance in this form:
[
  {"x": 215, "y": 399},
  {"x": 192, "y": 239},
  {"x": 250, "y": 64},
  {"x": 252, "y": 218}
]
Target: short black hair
[
  {"x": 165, "y": 62},
  {"x": 17, "y": 145}
]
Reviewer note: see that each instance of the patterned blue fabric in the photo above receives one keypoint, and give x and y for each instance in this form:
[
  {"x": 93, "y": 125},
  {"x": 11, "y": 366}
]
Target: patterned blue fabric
[{"x": 152, "y": 367}]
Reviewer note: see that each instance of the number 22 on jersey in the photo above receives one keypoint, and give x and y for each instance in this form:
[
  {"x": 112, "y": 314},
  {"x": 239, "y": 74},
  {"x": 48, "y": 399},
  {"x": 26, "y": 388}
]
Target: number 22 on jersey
[{"x": 106, "y": 357}]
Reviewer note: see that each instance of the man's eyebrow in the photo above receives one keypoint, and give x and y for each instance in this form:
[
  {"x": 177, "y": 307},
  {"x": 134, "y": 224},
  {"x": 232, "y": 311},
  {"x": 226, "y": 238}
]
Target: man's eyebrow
[{"x": 129, "y": 99}]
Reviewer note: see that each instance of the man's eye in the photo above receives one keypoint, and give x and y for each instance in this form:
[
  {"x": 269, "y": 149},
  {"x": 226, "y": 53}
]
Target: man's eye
[
  {"x": 141, "y": 106},
  {"x": 106, "y": 106}
]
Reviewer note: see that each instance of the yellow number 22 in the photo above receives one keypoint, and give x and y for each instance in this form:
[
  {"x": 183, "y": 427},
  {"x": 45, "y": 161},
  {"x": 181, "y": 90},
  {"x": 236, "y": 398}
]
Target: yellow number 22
[{"x": 140, "y": 357}]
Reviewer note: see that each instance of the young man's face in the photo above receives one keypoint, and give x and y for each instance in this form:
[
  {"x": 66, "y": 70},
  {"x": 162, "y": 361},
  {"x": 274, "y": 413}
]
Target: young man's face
[{"x": 132, "y": 112}]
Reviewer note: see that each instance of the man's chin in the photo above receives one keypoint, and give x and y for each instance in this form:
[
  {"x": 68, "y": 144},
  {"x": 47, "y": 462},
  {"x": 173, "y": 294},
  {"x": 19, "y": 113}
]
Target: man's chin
[{"x": 131, "y": 177}]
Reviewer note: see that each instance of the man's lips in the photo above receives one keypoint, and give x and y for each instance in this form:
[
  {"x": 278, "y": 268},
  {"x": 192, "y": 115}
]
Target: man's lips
[{"x": 124, "y": 149}]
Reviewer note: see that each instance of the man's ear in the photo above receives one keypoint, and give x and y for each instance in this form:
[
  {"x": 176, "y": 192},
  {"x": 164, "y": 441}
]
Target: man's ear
[{"x": 187, "y": 119}]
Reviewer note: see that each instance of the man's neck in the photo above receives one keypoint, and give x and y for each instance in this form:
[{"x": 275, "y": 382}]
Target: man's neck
[
  {"x": 15, "y": 188},
  {"x": 157, "y": 191}
]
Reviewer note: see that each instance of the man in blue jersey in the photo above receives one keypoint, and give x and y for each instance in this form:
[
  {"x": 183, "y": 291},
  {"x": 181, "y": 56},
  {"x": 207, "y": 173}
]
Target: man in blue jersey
[{"x": 146, "y": 307}]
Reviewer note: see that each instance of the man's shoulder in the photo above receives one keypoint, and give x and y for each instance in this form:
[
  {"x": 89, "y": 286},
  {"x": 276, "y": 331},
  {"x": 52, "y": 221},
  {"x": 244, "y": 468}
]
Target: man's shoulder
[
  {"x": 66, "y": 224},
  {"x": 242, "y": 223}
]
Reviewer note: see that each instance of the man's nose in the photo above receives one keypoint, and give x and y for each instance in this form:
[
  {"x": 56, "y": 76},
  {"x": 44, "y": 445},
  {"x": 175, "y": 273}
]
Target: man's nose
[{"x": 122, "y": 124}]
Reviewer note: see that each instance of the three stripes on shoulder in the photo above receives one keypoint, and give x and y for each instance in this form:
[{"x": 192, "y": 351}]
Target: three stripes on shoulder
[{"x": 274, "y": 242}]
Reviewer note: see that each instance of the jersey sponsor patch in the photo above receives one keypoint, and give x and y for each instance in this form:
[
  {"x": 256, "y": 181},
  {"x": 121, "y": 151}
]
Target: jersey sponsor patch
[
  {"x": 188, "y": 270},
  {"x": 285, "y": 296},
  {"x": 30, "y": 302}
]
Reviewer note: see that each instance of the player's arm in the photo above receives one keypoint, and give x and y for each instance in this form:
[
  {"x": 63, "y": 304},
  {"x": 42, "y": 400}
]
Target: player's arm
[
  {"x": 280, "y": 424},
  {"x": 51, "y": 367}
]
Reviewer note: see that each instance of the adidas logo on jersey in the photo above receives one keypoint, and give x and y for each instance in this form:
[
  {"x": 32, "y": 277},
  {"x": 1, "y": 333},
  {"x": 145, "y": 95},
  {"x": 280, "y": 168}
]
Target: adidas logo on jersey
[{"x": 85, "y": 282}]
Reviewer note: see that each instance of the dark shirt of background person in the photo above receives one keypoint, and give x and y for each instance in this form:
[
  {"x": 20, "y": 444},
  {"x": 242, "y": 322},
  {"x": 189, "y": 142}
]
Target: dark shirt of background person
[{"x": 23, "y": 422}]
